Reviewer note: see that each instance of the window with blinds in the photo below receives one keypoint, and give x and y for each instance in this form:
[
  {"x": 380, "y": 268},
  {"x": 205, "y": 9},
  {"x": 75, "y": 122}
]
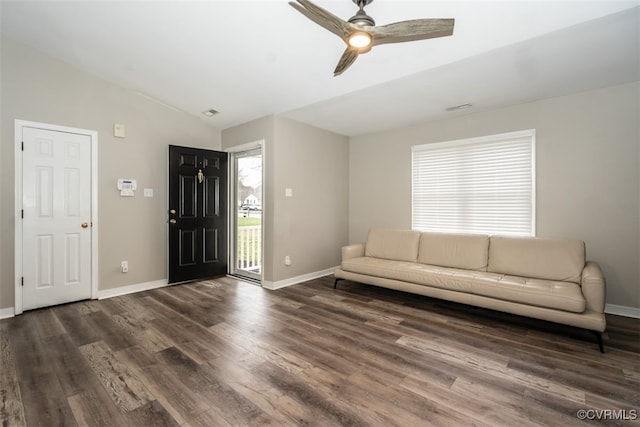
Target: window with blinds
[{"x": 478, "y": 185}]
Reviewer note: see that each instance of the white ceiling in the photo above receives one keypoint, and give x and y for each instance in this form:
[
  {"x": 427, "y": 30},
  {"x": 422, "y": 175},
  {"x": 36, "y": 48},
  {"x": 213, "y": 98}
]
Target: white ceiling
[{"x": 248, "y": 59}]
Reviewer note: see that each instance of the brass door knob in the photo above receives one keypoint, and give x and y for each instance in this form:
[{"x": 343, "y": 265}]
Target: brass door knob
[{"x": 85, "y": 224}]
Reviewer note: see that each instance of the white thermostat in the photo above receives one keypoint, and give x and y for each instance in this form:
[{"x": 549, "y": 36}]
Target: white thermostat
[{"x": 127, "y": 187}]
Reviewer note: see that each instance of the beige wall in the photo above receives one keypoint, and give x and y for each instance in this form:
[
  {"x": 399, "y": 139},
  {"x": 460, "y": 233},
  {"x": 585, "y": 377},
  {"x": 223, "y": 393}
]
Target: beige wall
[
  {"x": 311, "y": 226},
  {"x": 38, "y": 88},
  {"x": 588, "y": 184}
]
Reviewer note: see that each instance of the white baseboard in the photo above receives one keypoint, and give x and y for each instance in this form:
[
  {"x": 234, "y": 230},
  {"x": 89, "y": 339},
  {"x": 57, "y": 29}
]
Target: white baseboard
[
  {"x": 298, "y": 279},
  {"x": 621, "y": 310},
  {"x": 139, "y": 287},
  {"x": 5, "y": 313}
]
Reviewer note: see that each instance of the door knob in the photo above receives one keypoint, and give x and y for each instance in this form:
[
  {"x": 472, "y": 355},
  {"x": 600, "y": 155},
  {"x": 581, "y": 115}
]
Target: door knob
[
  {"x": 172, "y": 211},
  {"x": 172, "y": 221},
  {"x": 85, "y": 224}
]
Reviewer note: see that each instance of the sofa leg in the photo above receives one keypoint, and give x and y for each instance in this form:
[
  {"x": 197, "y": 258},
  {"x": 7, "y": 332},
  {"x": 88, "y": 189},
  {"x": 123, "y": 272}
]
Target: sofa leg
[
  {"x": 600, "y": 343},
  {"x": 335, "y": 283}
]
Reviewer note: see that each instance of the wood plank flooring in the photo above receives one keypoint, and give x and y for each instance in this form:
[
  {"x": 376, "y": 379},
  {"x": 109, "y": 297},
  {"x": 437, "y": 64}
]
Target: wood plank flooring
[{"x": 228, "y": 353}]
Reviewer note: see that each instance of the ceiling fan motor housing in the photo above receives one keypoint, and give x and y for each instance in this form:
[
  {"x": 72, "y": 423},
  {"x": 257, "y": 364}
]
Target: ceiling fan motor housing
[{"x": 361, "y": 17}]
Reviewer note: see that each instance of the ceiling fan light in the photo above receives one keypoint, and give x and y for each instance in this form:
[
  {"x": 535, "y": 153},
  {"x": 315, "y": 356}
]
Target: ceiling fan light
[{"x": 360, "y": 39}]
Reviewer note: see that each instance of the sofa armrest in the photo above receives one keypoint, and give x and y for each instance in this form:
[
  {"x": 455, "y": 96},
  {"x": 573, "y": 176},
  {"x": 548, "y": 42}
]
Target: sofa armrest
[
  {"x": 593, "y": 287},
  {"x": 352, "y": 251}
]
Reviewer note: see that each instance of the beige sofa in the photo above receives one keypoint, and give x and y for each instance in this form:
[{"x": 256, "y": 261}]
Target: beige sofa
[{"x": 542, "y": 278}]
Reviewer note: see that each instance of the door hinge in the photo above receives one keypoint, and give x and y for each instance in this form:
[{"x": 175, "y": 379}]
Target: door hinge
[
  {"x": 22, "y": 213},
  {"x": 22, "y": 281},
  {"x": 22, "y": 145}
]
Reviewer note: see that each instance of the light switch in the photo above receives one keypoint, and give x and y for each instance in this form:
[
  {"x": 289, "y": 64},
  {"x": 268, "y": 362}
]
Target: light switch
[
  {"x": 148, "y": 192},
  {"x": 288, "y": 192},
  {"x": 118, "y": 130}
]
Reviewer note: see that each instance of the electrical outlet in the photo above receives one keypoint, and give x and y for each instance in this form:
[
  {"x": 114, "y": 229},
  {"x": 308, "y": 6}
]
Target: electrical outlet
[
  {"x": 287, "y": 260},
  {"x": 124, "y": 266}
]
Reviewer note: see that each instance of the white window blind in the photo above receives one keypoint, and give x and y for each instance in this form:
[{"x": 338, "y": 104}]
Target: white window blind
[{"x": 478, "y": 185}]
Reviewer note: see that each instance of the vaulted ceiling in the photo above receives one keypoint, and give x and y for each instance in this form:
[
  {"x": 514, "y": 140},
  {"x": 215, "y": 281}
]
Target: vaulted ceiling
[{"x": 248, "y": 59}]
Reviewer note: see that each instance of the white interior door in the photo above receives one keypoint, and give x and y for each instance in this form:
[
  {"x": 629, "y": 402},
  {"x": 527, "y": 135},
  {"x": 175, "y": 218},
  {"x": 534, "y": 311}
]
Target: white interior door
[{"x": 56, "y": 224}]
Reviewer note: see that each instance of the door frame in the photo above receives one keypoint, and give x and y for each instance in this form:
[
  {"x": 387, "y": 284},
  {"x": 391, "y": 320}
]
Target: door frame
[
  {"x": 254, "y": 145},
  {"x": 93, "y": 135}
]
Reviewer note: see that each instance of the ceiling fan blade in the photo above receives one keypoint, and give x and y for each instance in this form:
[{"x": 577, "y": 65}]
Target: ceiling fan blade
[
  {"x": 324, "y": 18},
  {"x": 348, "y": 57},
  {"x": 416, "y": 29}
]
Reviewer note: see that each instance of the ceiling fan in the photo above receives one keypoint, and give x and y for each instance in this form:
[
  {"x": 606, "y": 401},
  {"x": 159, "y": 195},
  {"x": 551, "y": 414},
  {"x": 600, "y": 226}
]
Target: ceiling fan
[{"x": 360, "y": 33}]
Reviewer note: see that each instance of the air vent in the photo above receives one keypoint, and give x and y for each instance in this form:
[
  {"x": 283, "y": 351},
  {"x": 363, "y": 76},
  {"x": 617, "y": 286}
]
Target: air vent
[
  {"x": 210, "y": 113},
  {"x": 459, "y": 107}
]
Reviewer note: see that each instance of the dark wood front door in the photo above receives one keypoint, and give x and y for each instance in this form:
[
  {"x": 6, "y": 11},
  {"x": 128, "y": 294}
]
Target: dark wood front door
[{"x": 197, "y": 214}]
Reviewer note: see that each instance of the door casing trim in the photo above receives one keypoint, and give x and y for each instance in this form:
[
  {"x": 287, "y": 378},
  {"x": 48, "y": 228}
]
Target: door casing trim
[{"x": 93, "y": 135}]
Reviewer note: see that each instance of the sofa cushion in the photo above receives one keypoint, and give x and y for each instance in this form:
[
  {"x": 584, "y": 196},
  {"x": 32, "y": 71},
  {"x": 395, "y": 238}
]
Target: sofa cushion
[
  {"x": 400, "y": 245},
  {"x": 549, "y": 259},
  {"x": 559, "y": 295},
  {"x": 468, "y": 251}
]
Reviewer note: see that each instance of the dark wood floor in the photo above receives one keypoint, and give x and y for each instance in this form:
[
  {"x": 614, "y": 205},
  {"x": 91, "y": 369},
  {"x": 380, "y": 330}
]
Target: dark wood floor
[{"x": 228, "y": 353}]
